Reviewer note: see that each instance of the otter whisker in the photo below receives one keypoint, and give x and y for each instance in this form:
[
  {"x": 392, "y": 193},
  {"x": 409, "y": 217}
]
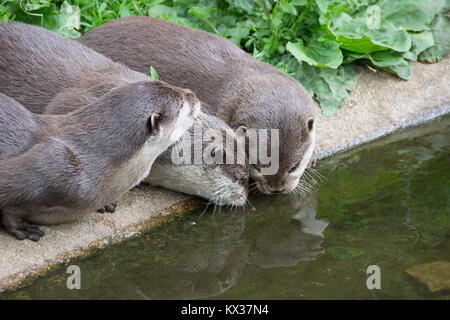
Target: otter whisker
[
  {"x": 207, "y": 205},
  {"x": 317, "y": 173}
]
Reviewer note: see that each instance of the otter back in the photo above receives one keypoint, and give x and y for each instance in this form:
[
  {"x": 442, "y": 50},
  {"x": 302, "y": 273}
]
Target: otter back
[{"x": 40, "y": 68}]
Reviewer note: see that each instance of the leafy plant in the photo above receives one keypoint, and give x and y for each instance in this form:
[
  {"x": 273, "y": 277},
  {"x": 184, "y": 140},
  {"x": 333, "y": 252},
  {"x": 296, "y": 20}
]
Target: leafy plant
[
  {"x": 316, "y": 41},
  {"x": 58, "y": 16},
  {"x": 153, "y": 73}
]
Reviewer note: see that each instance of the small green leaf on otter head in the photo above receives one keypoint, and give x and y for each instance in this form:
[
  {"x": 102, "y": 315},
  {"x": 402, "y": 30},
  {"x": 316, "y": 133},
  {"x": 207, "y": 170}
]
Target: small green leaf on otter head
[{"x": 154, "y": 74}]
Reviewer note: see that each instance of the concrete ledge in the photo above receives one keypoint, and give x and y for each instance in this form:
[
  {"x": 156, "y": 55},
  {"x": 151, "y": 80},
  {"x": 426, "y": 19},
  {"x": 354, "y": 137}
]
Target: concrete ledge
[{"x": 380, "y": 105}]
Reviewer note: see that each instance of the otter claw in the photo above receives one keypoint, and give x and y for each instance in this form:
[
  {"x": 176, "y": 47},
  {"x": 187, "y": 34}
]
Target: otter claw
[
  {"x": 109, "y": 208},
  {"x": 27, "y": 231}
]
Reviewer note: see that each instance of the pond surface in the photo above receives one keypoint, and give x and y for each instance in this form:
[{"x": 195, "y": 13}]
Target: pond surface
[{"x": 385, "y": 204}]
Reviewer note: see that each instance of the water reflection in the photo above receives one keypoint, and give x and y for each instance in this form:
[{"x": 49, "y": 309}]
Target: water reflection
[{"x": 216, "y": 248}]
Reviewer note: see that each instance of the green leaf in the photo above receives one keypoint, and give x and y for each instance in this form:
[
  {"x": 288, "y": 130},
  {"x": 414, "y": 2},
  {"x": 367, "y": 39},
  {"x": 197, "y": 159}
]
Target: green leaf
[
  {"x": 419, "y": 43},
  {"x": 404, "y": 72},
  {"x": 208, "y": 15},
  {"x": 245, "y": 5},
  {"x": 33, "y": 6},
  {"x": 441, "y": 36},
  {"x": 410, "y": 14},
  {"x": 299, "y": 2},
  {"x": 154, "y": 74},
  {"x": 389, "y": 61},
  {"x": 317, "y": 53},
  {"x": 354, "y": 34},
  {"x": 331, "y": 87},
  {"x": 239, "y": 32},
  {"x": 386, "y": 58},
  {"x": 124, "y": 9},
  {"x": 162, "y": 12},
  {"x": 288, "y": 7},
  {"x": 392, "y": 62},
  {"x": 322, "y": 5},
  {"x": 66, "y": 23},
  {"x": 155, "y": 2},
  {"x": 102, "y": 7}
]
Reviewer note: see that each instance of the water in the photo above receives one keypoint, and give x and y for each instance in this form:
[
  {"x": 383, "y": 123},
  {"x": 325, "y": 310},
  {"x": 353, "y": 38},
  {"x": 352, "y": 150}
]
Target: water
[{"x": 386, "y": 204}]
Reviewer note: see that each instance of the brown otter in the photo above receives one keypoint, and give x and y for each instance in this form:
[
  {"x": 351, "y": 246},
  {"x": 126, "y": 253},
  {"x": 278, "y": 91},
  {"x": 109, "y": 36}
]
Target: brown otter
[
  {"x": 54, "y": 168},
  {"x": 239, "y": 89},
  {"x": 54, "y": 75}
]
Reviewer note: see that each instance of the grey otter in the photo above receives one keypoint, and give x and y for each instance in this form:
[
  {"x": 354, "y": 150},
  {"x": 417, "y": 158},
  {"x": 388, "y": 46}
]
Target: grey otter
[
  {"x": 239, "y": 89},
  {"x": 54, "y": 75},
  {"x": 54, "y": 168}
]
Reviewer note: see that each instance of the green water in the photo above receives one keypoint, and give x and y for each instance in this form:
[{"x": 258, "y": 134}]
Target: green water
[{"x": 386, "y": 204}]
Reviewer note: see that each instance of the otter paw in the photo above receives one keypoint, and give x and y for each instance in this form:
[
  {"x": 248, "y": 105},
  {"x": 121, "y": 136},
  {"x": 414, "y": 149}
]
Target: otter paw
[
  {"x": 109, "y": 208},
  {"x": 27, "y": 231}
]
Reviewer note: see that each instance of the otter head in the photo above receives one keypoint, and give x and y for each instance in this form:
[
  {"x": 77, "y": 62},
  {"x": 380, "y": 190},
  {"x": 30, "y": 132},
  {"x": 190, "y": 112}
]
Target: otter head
[
  {"x": 279, "y": 106},
  {"x": 141, "y": 120},
  {"x": 205, "y": 162}
]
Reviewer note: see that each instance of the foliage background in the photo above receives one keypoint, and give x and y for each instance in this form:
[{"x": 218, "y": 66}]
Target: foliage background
[{"x": 316, "y": 41}]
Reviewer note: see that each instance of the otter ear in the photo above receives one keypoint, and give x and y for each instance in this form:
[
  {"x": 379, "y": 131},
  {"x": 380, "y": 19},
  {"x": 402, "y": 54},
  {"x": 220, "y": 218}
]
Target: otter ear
[
  {"x": 310, "y": 124},
  {"x": 153, "y": 123},
  {"x": 241, "y": 131}
]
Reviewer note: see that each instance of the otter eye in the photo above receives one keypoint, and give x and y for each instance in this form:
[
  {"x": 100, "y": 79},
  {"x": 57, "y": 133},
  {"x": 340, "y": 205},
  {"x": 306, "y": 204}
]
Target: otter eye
[
  {"x": 310, "y": 124},
  {"x": 294, "y": 167},
  {"x": 218, "y": 153}
]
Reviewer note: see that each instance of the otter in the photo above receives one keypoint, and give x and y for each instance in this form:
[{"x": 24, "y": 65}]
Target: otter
[
  {"x": 221, "y": 183},
  {"x": 54, "y": 168},
  {"x": 49, "y": 74},
  {"x": 236, "y": 87}
]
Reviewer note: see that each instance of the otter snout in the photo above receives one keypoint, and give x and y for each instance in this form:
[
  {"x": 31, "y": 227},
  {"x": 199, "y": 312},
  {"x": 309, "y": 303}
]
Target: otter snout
[{"x": 276, "y": 184}]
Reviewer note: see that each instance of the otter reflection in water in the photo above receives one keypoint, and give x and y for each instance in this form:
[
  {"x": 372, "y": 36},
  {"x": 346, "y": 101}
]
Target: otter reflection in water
[{"x": 205, "y": 258}]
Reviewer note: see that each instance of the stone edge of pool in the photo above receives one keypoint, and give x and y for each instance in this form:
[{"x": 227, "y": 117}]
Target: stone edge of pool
[{"x": 380, "y": 104}]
